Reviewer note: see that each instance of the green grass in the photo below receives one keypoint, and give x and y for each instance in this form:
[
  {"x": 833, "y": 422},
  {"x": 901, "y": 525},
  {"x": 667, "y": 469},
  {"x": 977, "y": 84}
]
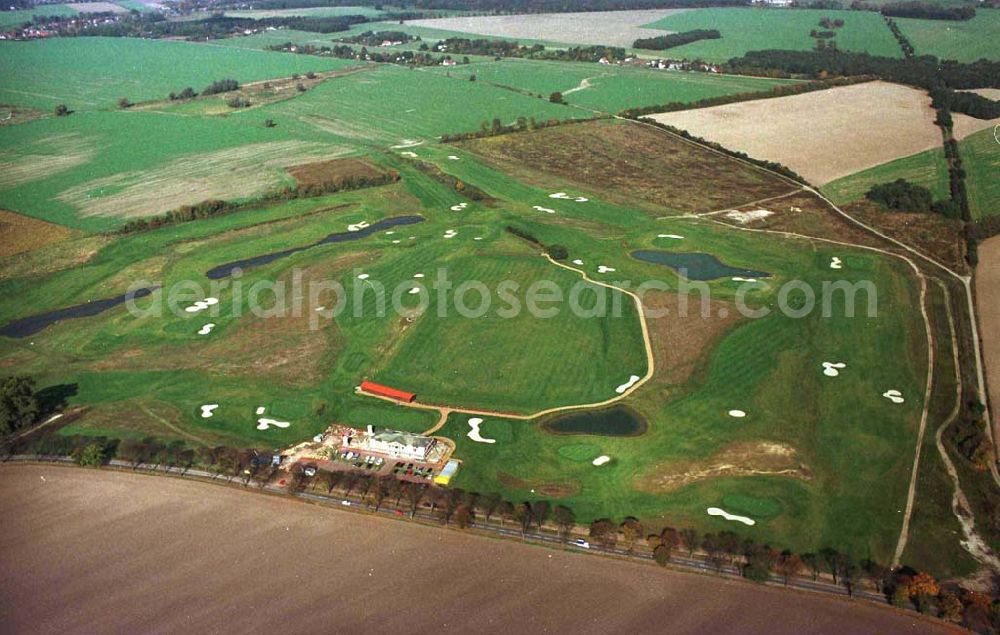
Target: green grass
[
  {"x": 981, "y": 160},
  {"x": 20, "y": 16},
  {"x": 608, "y": 89},
  {"x": 758, "y": 29},
  {"x": 311, "y": 12},
  {"x": 928, "y": 169},
  {"x": 965, "y": 41},
  {"x": 93, "y": 73}
]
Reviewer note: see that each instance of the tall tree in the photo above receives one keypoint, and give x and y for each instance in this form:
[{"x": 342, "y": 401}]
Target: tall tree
[
  {"x": 631, "y": 532},
  {"x": 18, "y": 403},
  {"x": 565, "y": 520},
  {"x": 522, "y": 513},
  {"x": 540, "y": 512},
  {"x": 690, "y": 538}
]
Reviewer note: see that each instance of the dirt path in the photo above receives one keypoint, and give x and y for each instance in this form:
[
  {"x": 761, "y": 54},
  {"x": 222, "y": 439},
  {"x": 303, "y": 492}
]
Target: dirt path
[
  {"x": 172, "y": 427},
  {"x": 584, "y": 85},
  {"x": 138, "y": 553}
]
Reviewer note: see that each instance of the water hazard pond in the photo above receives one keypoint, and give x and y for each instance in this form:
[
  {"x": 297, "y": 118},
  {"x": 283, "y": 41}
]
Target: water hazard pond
[
  {"x": 35, "y": 323},
  {"x": 226, "y": 270},
  {"x": 616, "y": 421},
  {"x": 695, "y": 265}
]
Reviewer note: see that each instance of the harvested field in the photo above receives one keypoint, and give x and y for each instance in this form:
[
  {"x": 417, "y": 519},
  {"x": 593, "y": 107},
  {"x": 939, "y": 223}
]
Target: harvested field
[
  {"x": 45, "y": 157},
  {"x": 614, "y": 28},
  {"x": 19, "y": 234},
  {"x": 242, "y": 172},
  {"x": 79, "y": 539},
  {"x": 759, "y": 458},
  {"x": 822, "y": 135},
  {"x": 988, "y": 301},
  {"x": 336, "y": 171},
  {"x": 623, "y": 162},
  {"x": 966, "y": 126}
]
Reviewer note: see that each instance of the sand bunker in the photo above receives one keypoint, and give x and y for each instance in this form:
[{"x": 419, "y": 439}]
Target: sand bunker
[
  {"x": 601, "y": 460},
  {"x": 412, "y": 155},
  {"x": 205, "y": 330},
  {"x": 835, "y": 263},
  {"x": 390, "y": 233},
  {"x": 604, "y": 269},
  {"x": 358, "y": 226},
  {"x": 474, "y": 434},
  {"x": 738, "y": 414},
  {"x": 207, "y": 410},
  {"x": 451, "y": 233},
  {"x": 418, "y": 275},
  {"x": 547, "y": 210},
  {"x": 746, "y": 217},
  {"x": 396, "y": 242},
  {"x": 264, "y": 424},
  {"x": 566, "y": 197},
  {"x": 894, "y": 396},
  {"x": 452, "y": 157},
  {"x": 459, "y": 207},
  {"x": 674, "y": 236},
  {"x": 414, "y": 291},
  {"x": 631, "y": 382},
  {"x": 739, "y": 279},
  {"x": 363, "y": 276},
  {"x": 832, "y": 369},
  {"x": 201, "y": 305},
  {"x": 715, "y": 511},
  {"x": 577, "y": 262}
]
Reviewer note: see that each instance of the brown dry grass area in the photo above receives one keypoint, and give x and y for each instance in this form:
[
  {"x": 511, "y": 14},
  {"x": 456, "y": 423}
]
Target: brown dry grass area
[
  {"x": 135, "y": 553},
  {"x": 53, "y": 257},
  {"x": 755, "y": 458},
  {"x": 624, "y": 162},
  {"x": 551, "y": 490},
  {"x": 45, "y": 157},
  {"x": 19, "y": 234},
  {"x": 939, "y": 237},
  {"x": 683, "y": 338},
  {"x": 13, "y": 115},
  {"x": 336, "y": 171},
  {"x": 988, "y": 305},
  {"x": 822, "y": 135}
]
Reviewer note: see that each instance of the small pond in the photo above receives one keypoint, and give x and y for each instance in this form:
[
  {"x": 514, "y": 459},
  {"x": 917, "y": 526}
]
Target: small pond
[
  {"x": 616, "y": 421},
  {"x": 695, "y": 265},
  {"x": 226, "y": 270},
  {"x": 35, "y": 323}
]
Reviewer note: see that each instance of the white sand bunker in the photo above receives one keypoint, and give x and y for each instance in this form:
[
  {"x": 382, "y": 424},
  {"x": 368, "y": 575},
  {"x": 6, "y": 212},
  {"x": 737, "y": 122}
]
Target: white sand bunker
[
  {"x": 566, "y": 197},
  {"x": 894, "y": 396},
  {"x": 201, "y": 305},
  {"x": 390, "y": 233},
  {"x": 396, "y": 242},
  {"x": 738, "y": 414},
  {"x": 745, "y": 217},
  {"x": 452, "y": 157},
  {"x": 478, "y": 238},
  {"x": 795, "y": 209},
  {"x": 738, "y": 279},
  {"x": 363, "y": 276},
  {"x": 357, "y": 226},
  {"x": 208, "y": 409},
  {"x": 601, "y": 460},
  {"x": 418, "y": 275},
  {"x": 715, "y": 511},
  {"x": 451, "y": 233},
  {"x": 603, "y": 269},
  {"x": 414, "y": 291},
  {"x": 261, "y": 410},
  {"x": 412, "y": 155},
  {"x": 474, "y": 424},
  {"x": 674, "y": 236},
  {"x": 264, "y": 424},
  {"x": 832, "y": 369},
  {"x": 631, "y": 382},
  {"x": 547, "y": 210},
  {"x": 577, "y": 262},
  {"x": 205, "y": 330},
  {"x": 835, "y": 263},
  {"x": 459, "y": 207}
]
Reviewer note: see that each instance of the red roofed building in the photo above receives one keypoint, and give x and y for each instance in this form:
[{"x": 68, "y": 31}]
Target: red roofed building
[{"x": 386, "y": 391}]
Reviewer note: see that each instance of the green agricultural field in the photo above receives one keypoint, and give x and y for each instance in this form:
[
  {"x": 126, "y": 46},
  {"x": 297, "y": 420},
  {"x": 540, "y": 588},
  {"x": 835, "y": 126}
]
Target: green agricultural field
[
  {"x": 926, "y": 168},
  {"x": 310, "y": 12},
  {"x": 20, "y": 16},
  {"x": 965, "y": 41},
  {"x": 981, "y": 159},
  {"x": 607, "y": 88},
  {"x": 757, "y": 29},
  {"x": 93, "y": 73}
]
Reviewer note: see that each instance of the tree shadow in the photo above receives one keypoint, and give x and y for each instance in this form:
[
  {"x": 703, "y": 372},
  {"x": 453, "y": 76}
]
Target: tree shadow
[{"x": 52, "y": 399}]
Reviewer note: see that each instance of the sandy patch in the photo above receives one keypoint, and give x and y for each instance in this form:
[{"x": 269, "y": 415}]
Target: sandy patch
[
  {"x": 748, "y": 217},
  {"x": 753, "y": 458},
  {"x": 201, "y": 305},
  {"x": 612, "y": 28},
  {"x": 894, "y": 396},
  {"x": 205, "y": 330},
  {"x": 631, "y": 382},
  {"x": 563, "y": 196},
  {"x": 715, "y": 511},
  {"x": 868, "y": 124},
  {"x": 835, "y": 263},
  {"x": 605, "y": 269},
  {"x": 673, "y": 236},
  {"x": 208, "y": 410},
  {"x": 451, "y": 233},
  {"x": 19, "y": 234},
  {"x": 577, "y": 262},
  {"x": 474, "y": 433},
  {"x": 45, "y": 157},
  {"x": 832, "y": 369},
  {"x": 460, "y": 207},
  {"x": 601, "y": 460},
  {"x": 547, "y": 210},
  {"x": 265, "y": 423},
  {"x": 737, "y": 414}
]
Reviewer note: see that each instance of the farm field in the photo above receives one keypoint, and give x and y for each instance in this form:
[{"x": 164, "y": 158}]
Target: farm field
[
  {"x": 981, "y": 160},
  {"x": 927, "y": 168},
  {"x": 897, "y": 123},
  {"x": 93, "y": 73},
  {"x": 20, "y": 16},
  {"x": 756, "y": 29},
  {"x": 613, "y": 28},
  {"x": 965, "y": 41},
  {"x": 311, "y": 12},
  {"x": 608, "y": 89}
]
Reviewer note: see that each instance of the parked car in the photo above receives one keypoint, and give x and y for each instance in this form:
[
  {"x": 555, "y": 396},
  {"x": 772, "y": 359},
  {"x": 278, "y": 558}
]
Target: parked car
[
  {"x": 310, "y": 471},
  {"x": 581, "y": 543}
]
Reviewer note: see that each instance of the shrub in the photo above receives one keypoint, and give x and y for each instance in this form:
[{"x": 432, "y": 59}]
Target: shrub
[{"x": 902, "y": 195}]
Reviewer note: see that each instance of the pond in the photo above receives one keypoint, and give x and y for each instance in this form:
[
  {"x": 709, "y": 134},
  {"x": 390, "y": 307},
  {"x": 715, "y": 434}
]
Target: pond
[
  {"x": 616, "y": 421},
  {"x": 695, "y": 265},
  {"x": 226, "y": 270},
  {"x": 35, "y": 323}
]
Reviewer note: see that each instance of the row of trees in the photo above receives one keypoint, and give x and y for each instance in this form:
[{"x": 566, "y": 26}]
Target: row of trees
[
  {"x": 908, "y": 197},
  {"x": 557, "y": 252},
  {"x": 375, "y": 38},
  {"x": 925, "y": 11},
  {"x": 153, "y": 24},
  {"x": 671, "y": 40},
  {"x": 521, "y": 124},
  {"x": 904, "y": 42}
]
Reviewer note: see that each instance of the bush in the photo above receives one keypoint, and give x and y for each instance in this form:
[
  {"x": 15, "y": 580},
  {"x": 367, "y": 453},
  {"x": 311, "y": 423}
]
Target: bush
[
  {"x": 62, "y": 110},
  {"x": 238, "y": 102},
  {"x": 556, "y": 98},
  {"x": 902, "y": 195},
  {"x": 221, "y": 86}
]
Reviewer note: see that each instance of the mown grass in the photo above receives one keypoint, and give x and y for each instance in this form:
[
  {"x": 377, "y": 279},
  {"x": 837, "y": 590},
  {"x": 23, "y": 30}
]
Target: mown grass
[
  {"x": 94, "y": 73},
  {"x": 965, "y": 41},
  {"x": 607, "y": 89},
  {"x": 928, "y": 169},
  {"x": 981, "y": 159},
  {"x": 758, "y": 29}
]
